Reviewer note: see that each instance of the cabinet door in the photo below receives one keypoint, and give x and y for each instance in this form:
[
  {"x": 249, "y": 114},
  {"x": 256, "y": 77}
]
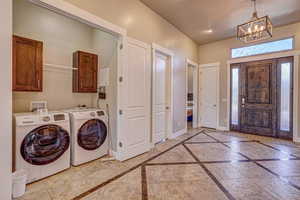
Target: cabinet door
[
  {"x": 87, "y": 67},
  {"x": 27, "y": 64}
]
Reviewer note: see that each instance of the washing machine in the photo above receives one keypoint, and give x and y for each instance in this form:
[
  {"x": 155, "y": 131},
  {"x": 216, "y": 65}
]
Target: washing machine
[
  {"x": 42, "y": 144},
  {"x": 89, "y": 135}
]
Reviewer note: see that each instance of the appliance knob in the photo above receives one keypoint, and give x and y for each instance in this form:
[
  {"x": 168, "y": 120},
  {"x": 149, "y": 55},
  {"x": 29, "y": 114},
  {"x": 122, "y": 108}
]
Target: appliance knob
[{"x": 46, "y": 119}]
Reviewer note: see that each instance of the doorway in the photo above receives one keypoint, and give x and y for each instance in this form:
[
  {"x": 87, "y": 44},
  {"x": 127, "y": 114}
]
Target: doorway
[
  {"x": 209, "y": 95},
  {"x": 262, "y": 97},
  {"x": 192, "y": 94},
  {"x": 162, "y": 94}
]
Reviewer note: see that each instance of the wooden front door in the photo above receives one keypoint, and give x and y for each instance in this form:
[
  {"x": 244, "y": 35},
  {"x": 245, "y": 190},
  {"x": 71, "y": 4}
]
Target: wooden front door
[
  {"x": 258, "y": 97},
  {"x": 262, "y": 101}
]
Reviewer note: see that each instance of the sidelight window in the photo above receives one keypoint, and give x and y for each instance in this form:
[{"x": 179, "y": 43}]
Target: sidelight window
[
  {"x": 285, "y": 96},
  {"x": 235, "y": 96}
]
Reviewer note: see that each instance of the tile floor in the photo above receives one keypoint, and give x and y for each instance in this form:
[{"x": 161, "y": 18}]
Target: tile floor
[{"x": 202, "y": 164}]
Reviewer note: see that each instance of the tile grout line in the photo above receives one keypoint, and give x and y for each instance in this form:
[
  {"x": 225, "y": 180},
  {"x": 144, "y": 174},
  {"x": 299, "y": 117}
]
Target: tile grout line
[
  {"x": 220, "y": 186},
  {"x": 258, "y": 164},
  {"x": 144, "y": 183},
  {"x": 88, "y": 192},
  {"x": 214, "y": 142}
]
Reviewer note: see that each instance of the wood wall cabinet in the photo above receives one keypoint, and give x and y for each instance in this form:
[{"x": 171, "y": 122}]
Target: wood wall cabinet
[
  {"x": 27, "y": 64},
  {"x": 85, "y": 72}
]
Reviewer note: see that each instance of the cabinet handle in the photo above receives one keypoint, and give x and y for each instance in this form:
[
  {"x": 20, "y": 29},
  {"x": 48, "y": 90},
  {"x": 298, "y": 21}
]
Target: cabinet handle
[{"x": 38, "y": 82}]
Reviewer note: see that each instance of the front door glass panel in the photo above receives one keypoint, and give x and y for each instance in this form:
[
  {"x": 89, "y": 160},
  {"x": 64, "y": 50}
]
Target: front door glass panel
[{"x": 285, "y": 97}]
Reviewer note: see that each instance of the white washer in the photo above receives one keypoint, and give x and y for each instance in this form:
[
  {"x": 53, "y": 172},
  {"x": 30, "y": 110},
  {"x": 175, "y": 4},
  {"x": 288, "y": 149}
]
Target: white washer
[
  {"x": 42, "y": 143},
  {"x": 89, "y": 135}
]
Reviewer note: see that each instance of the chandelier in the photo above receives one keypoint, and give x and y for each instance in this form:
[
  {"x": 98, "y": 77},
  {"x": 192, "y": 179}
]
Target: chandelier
[{"x": 256, "y": 29}]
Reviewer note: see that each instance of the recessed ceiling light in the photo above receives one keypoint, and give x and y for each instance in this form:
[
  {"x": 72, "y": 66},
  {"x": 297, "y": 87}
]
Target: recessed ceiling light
[{"x": 208, "y": 31}]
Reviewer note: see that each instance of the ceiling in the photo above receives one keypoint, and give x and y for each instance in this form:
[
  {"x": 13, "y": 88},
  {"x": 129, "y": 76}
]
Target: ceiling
[{"x": 196, "y": 17}]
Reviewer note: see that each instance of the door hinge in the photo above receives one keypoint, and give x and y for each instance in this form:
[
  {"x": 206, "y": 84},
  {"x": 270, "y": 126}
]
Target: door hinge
[
  {"x": 121, "y": 79},
  {"x": 121, "y": 112},
  {"x": 121, "y": 46},
  {"x": 120, "y": 144}
]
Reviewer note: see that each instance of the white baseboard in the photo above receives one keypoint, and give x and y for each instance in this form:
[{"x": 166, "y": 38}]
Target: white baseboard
[
  {"x": 297, "y": 139},
  {"x": 223, "y": 128},
  {"x": 178, "y": 133}
]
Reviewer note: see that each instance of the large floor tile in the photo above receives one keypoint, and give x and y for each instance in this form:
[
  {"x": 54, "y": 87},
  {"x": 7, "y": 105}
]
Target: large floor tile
[
  {"x": 257, "y": 151},
  {"x": 224, "y": 137},
  {"x": 238, "y": 170},
  {"x": 191, "y": 190},
  {"x": 128, "y": 187},
  {"x": 214, "y": 152},
  {"x": 284, "y": 167},
  {"x": 177, "y": 154},
  {"x": 201, "y": 138},
  {"x": 175, "y": 173},
  {"x": 261, "y": 189}
]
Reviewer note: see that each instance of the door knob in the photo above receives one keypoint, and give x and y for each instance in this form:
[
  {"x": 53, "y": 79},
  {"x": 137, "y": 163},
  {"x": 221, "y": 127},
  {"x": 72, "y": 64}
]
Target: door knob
[{"x": 167, "y": 107}]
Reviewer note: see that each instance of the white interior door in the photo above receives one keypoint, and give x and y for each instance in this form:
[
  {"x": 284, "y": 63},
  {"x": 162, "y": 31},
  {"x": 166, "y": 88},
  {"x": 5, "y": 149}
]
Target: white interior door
[
  {"x": 135, "y": 100},
  {"x": 160, "y": 112},
  {"x": 195, "y": 97},
  {"x": 208, "y": 96}
]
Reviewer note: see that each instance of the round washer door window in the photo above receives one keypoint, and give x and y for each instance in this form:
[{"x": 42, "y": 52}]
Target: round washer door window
[
  {"x": 92, "y": 134},
  {"x": 45, "y": 144}
]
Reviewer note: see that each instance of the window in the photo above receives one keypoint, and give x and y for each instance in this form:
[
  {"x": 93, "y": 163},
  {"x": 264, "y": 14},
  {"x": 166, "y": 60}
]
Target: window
[
  {"x": 263, "y": 48},
  {"x": 285, "y": 97},
  {"x": 235, "y": 96}
]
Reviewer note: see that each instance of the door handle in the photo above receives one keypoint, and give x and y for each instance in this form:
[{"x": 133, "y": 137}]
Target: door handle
[{"x": 243, "y": 102}]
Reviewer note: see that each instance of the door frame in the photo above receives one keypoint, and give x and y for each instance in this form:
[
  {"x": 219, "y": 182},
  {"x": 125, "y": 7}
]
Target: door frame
[
  {"x": 296, "y": 55},
  {"x": 6, "y": 99},
  {"x": 196, "y": 91},
  {"x": 71, "y": 11},
  {"x": 159, "y": 49},
  {"x": 201, "y": 67}
]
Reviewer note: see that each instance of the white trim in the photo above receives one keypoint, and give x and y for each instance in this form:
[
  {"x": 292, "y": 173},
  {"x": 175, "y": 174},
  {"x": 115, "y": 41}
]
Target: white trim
[
  {"x": 296, "y": 54},
  {"x": 296, "y": 136},
  {"x": 178, "y": 133},
  {"x": 69, "y": 10},
  {"x": 196, "y": 96},
  {"x": 210, "y": 65},
  {"x": 217, "y": 66},
  {"x": 6, "y": 99},
  {"x": 157, "y": 48},
  {"x": 163, "y": 50},
  {"x": 222, "y": 128}
]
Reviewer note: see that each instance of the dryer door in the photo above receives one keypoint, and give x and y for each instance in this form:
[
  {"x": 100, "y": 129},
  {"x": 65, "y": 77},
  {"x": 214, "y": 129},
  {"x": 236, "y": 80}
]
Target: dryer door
[
  {"x": 92, "y": 134},
  {"x": 45, "y": 144}
]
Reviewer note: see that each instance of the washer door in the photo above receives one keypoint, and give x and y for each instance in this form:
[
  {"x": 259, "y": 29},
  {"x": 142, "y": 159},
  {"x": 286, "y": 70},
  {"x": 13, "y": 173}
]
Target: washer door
[
  {"x": 92, "y": 134},
  {"x": 45, "y": 144}
]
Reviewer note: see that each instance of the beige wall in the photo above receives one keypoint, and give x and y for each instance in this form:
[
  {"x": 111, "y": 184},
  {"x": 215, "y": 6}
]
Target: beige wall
[
  {"x": 145, "y": 25},
  {"x": 61, "y": 37},
  {"x": 5, "y": 100},
  {"x": 220, "y": 52}
]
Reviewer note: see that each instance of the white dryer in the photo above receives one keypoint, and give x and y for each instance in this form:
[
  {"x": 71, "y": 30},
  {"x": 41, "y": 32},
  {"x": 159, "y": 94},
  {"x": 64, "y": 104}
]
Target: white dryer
[
  {"x": 42, "y": 143},
  {"x": 89, "y": 135}
]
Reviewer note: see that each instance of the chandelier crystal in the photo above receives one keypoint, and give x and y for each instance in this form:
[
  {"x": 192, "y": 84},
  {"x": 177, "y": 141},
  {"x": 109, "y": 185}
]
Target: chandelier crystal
[{"x": 256, "y": 29}]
